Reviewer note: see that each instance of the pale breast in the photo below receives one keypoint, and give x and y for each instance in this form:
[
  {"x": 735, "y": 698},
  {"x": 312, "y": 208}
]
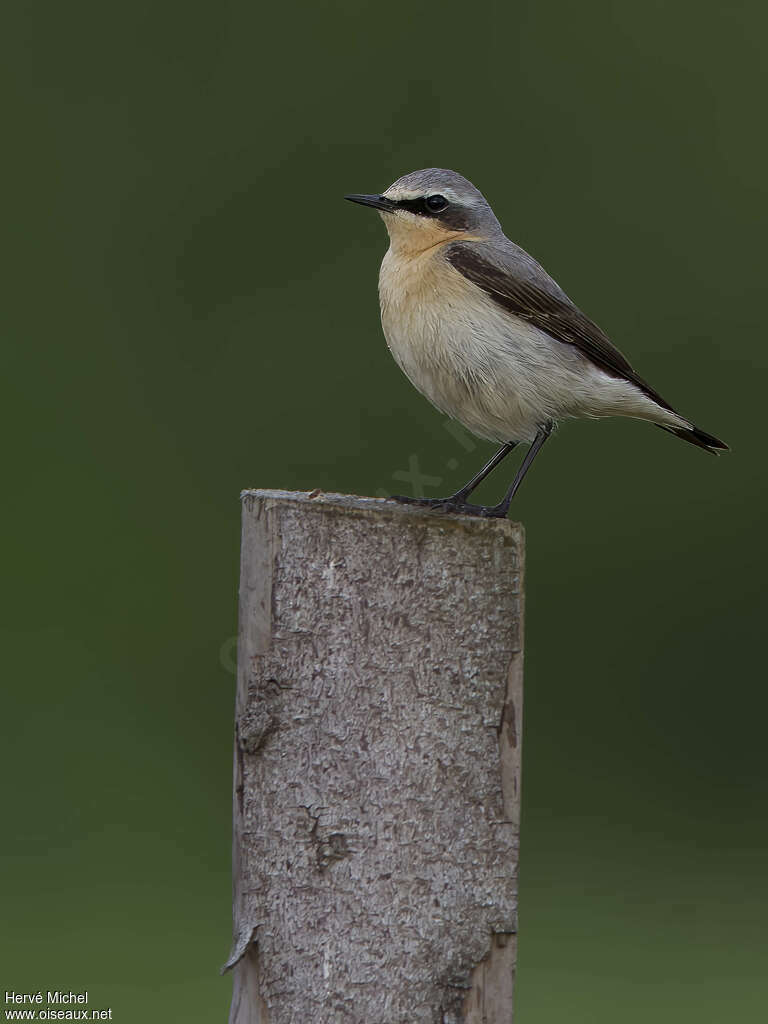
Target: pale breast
[
  {"x": 424, "y": 305},
  {"x": 454, "y": 346}
]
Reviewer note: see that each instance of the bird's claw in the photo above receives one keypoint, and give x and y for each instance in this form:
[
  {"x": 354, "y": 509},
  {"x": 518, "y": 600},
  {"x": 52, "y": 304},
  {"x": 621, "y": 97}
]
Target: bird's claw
[
  {"x": 450, "y": 506},
  {"x": 426, "y": 502}
]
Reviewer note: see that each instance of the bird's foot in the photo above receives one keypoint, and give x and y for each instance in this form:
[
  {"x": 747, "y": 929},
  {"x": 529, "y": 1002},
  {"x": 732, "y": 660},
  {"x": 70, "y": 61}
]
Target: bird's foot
[
  {"x": 462, "y": 508},
  {"x": 424, "y": 502},
  {"x": 456, "y": 506}
]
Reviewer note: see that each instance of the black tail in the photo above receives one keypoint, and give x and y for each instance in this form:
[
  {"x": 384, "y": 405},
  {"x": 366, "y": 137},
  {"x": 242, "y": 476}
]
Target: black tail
[{"x": 698, "y": 437}]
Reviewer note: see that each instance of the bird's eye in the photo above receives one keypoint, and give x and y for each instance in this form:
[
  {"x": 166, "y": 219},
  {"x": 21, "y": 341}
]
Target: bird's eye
[{"x": 436, "y": 203}]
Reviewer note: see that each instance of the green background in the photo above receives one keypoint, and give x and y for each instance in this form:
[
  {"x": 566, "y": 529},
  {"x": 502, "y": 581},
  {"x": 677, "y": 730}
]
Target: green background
[{"x": 189, "y": 308}]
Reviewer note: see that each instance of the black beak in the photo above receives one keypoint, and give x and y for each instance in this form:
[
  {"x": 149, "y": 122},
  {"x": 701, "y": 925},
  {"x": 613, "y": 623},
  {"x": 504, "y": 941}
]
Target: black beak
[{"x": 378, "y": 202}]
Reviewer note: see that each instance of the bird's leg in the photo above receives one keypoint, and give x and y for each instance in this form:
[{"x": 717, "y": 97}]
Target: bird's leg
[
  {"x": 500, "y": 511},
  {"x": 460, "y": 497},
  {"x": 457, "y": 503}
]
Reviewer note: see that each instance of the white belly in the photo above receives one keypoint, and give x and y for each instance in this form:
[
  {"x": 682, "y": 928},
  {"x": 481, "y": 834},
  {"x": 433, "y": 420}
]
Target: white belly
[{"x": 496, "y": 374}]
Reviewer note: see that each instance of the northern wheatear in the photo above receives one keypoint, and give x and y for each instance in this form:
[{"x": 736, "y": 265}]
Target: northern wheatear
[{"x": 485, "y": 333}]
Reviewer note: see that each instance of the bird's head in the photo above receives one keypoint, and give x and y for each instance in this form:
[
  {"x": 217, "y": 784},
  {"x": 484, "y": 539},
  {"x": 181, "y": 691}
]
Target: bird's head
[{"x": 430, "y": 207}]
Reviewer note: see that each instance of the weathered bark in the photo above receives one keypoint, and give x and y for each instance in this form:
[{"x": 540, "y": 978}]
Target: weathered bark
[{"x": 376, "y": 764}]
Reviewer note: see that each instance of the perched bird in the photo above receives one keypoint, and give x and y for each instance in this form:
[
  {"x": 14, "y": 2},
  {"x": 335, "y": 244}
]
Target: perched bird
[{"x": 481, "y": 329}]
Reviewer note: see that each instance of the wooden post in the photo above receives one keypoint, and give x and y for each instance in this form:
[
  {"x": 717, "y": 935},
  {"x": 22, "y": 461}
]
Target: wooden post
[{"x": 377, "y": 760}]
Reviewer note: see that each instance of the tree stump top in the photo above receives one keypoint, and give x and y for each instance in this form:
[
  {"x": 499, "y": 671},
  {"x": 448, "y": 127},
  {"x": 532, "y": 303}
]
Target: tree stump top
[{"x": 329, "y": 501}]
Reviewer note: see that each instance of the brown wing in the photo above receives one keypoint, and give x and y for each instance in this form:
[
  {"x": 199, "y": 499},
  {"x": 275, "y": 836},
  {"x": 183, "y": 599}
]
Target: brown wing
[{"x": 526, "y": 290}]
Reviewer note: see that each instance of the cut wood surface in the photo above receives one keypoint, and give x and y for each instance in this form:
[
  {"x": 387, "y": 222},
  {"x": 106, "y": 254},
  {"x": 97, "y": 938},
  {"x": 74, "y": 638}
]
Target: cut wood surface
[{"x": 377, "y": 756}]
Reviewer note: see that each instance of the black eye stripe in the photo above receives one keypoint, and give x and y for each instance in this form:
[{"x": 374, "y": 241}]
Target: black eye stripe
[
  {"x": 417, "y": 206},
  {"x": 452, "y": 215}
]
